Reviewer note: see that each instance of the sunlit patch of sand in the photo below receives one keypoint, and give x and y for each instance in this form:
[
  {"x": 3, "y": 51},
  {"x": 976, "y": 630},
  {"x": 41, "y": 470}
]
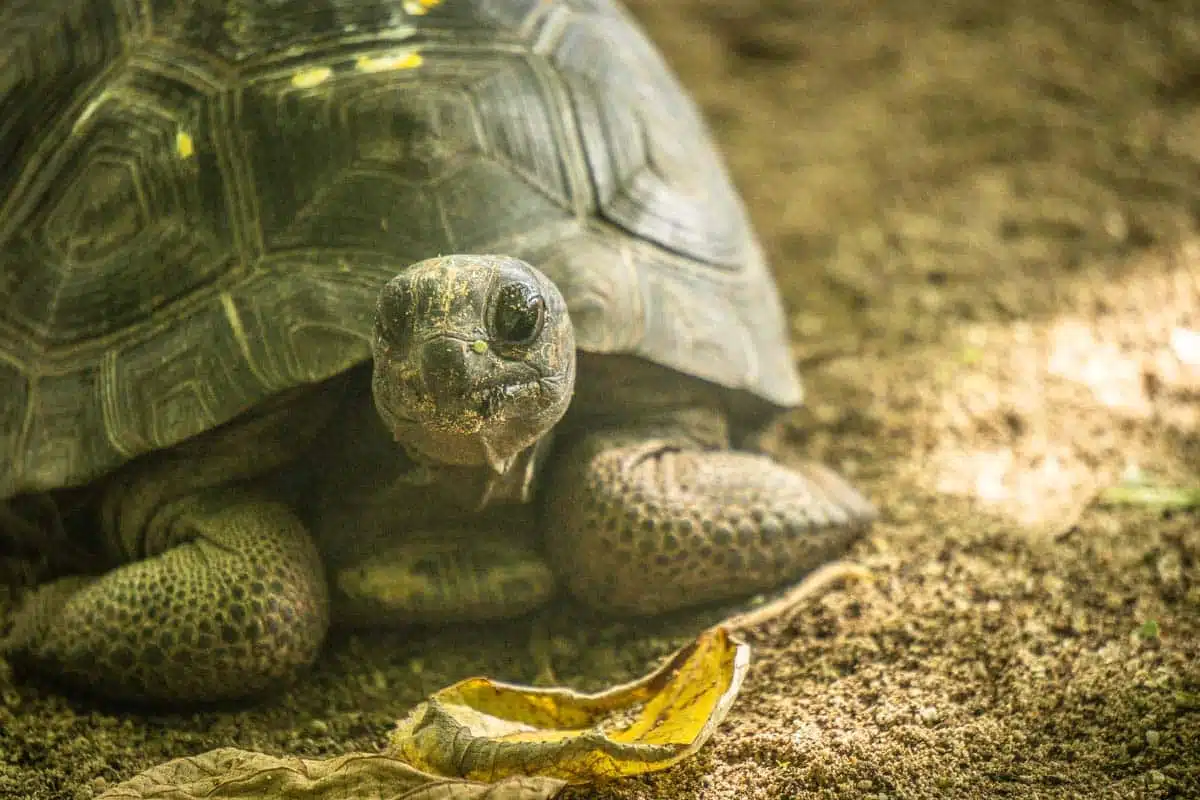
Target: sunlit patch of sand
[{"x": 1124, "y": 355}]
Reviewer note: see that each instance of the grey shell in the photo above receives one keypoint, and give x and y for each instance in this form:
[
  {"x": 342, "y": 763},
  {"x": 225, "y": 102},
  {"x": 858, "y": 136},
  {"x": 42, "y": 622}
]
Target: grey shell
[{"x": 199, "y": 200}]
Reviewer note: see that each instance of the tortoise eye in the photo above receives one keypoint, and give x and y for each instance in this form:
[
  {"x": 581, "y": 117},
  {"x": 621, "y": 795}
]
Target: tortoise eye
[{"x": 518, "y": 314}]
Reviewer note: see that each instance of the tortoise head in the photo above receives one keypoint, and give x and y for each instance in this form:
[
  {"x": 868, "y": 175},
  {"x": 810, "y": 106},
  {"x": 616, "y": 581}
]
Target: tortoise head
[{"x": 474, "y": 359}]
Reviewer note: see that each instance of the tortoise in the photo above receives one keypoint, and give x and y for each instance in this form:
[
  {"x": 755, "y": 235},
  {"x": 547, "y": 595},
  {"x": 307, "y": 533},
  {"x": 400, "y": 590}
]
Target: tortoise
[{"x": 376, "y": 312}]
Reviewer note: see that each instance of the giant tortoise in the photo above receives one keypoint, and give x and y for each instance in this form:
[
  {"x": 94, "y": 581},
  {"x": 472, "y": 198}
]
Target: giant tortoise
[{"x": 378, "y": 311}]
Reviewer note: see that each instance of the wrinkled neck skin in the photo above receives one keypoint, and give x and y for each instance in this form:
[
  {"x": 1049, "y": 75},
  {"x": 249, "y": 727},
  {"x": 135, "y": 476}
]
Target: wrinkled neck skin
[{"x": 477, "y": 487}]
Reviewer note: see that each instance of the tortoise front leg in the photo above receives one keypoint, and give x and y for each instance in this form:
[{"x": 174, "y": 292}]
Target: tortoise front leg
[
  {"x": 440, "y": 576},
  {"x": 220, "y": 593},
  {"x": 227, "y": 598},
  {"x": 653, "y": 518}
]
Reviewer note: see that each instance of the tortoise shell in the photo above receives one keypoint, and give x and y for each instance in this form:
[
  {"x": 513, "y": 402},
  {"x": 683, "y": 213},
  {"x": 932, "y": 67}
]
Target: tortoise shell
[{"x": 202, "y": 198}]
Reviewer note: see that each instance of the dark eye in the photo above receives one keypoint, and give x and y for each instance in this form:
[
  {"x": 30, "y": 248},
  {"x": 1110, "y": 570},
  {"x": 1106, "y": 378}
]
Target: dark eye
[{"x": 518, "y": 314}]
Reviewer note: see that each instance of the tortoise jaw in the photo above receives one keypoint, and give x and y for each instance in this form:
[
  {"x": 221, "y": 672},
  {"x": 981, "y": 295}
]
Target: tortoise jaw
[
  {"x": 442, "y": 444},
  {"x": 477, "y": 421}
]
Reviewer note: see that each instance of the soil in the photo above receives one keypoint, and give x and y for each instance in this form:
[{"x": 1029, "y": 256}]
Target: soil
[{"x": 983, "y": 216}]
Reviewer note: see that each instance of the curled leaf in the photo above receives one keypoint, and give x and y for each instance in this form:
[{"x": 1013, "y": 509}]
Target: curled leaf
[
  {"x": 232, "y": 773},
  {"x": 487, "y": 730}
]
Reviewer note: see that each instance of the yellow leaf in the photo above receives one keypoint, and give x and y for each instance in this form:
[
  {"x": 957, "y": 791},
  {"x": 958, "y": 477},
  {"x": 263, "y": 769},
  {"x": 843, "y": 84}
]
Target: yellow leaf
[
  {"x": 486, "y": 730},
  {"x": 232, "y": 773},
  {"x": 493, "y": 741}
]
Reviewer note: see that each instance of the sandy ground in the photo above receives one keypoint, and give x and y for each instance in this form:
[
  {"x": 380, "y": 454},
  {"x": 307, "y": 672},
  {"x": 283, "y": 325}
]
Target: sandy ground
[{"x": 983, "y": 216}]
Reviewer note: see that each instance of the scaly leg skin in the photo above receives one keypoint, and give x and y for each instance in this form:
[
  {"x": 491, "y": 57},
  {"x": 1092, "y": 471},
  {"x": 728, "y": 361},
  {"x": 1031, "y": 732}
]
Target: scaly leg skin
[
  {"x": 223, "y": 593},
  {"x": 398, "y": 553},
  {"x": 441, "y": 578},
  {"x": 662, "y": 516},
  {"x": 232, "y": 602}
]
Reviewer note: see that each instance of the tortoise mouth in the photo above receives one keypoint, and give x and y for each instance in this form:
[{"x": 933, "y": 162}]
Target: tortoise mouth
[
  {"x": 486, "y": 424},
  {"x": 492, "y": 401},
  {"x": 478, "y": 408},
  {"x": 413, "y": 401}
]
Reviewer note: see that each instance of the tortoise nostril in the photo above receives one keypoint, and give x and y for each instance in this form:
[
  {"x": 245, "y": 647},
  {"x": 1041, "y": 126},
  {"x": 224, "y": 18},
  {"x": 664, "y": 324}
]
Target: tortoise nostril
[{"x": 444, "y": 370}]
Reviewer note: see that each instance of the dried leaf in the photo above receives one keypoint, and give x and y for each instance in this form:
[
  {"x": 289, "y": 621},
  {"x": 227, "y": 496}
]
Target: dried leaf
[
  {"x": 232, "y": 773},
  {"x": 487, "y": 740},
  {"x": 487, "y": 730}
]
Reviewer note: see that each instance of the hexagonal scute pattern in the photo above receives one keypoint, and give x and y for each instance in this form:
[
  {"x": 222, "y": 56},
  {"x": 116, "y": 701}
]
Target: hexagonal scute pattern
[{"x": 203, "y": 199}]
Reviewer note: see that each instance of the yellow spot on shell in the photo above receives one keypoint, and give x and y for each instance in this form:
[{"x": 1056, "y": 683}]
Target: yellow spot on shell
[
  {"x": 418, "y": 7},
  {"x": 91, "y": 109},
  {"x": 407, "y": 59},
  {"x": 236, "y": 327},
  {"x": 185, "y": 146},
  {"x": 313, "y": 76}
]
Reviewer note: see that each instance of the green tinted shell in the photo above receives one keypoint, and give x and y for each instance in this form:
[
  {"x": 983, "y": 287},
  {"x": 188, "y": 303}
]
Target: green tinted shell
[{"x": 201, "y": 199}]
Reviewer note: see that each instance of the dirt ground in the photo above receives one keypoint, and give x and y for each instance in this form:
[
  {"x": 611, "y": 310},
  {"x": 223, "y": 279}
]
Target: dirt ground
[{"x": 983, "y": 216}]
